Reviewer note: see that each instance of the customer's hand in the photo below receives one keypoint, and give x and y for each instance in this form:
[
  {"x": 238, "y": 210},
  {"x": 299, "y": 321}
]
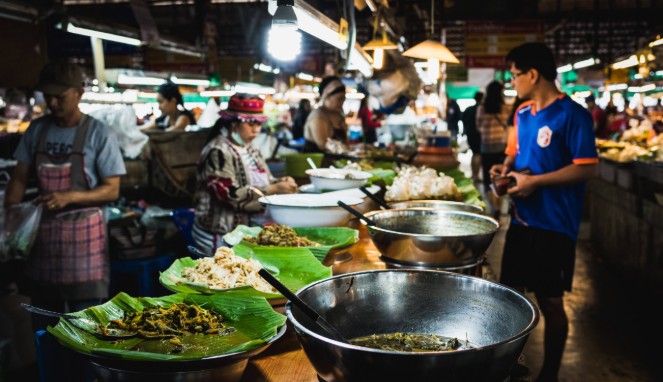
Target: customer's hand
[
  {"x": 499, "y": 170},
  {"x": 525, "y": 184}
]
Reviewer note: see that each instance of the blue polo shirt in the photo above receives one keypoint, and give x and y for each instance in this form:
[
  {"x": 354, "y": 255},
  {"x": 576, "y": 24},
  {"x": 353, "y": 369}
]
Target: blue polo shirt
[{"x": 545, "y": 141}]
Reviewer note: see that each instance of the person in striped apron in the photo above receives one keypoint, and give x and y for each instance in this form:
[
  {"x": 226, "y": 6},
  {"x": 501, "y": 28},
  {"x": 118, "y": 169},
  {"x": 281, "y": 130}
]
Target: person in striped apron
[{"x": 77, "y": 162}]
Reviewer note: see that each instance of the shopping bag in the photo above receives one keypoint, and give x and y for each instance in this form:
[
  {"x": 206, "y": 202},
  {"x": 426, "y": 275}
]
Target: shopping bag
[{"x": 19, "y": 225}]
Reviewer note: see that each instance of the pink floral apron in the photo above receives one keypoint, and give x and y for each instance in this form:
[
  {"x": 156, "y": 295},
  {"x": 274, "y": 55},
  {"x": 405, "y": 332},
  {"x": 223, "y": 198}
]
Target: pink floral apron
[{"x": 71, "y": 244}]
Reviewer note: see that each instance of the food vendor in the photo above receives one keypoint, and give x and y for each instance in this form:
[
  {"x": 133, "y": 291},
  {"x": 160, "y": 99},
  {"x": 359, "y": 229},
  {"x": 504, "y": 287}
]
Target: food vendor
[
  {"x": 174, "y": 117},
  {"x": 78, "y": 164},
  {"x": 232, "y": 175},
  {"x": 327, "y": 121}
]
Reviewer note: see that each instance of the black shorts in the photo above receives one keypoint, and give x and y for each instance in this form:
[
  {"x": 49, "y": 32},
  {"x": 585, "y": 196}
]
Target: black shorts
[{"x": 538, "y": 260}]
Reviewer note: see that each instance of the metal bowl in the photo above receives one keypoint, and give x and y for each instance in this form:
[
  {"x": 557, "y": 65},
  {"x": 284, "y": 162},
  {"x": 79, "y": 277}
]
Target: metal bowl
[
  {"x": 495, "y": 319},
  {"x": 223, "y": 368},
  {"x": 446, "y": 205},
  {"x": 425, "y": 237}
]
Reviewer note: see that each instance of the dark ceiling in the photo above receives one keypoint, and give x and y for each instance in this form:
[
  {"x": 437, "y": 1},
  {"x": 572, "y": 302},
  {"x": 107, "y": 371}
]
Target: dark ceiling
[{"x": 573, "y": 28}]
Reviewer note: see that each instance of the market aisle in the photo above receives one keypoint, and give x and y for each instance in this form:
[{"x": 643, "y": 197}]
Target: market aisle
[{"x": 612, "y": 331}]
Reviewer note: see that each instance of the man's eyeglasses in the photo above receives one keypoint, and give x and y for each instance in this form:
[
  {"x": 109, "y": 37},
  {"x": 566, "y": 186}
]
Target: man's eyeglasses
[{"x": 516, "y": 75}]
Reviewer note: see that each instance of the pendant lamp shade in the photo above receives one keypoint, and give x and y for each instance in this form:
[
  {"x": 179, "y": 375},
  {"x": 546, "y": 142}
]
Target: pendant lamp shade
[
  {"x": 431, "y": 49},
  {"x": 383, "y": 43}
]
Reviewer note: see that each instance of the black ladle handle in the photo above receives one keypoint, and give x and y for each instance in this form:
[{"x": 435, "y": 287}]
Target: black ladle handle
[
  {"x": 356, "y": 213},
  {"x": 299, "y": 303},
  {"x": 374, "y": 198}
]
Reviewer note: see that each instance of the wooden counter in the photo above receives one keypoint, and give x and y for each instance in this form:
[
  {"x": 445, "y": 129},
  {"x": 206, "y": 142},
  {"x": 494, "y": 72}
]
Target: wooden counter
[{"x": 285, "y": 360}]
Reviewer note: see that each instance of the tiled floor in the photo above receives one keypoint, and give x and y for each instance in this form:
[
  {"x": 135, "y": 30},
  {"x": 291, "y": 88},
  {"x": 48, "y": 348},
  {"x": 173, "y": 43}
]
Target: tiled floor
[{"x": 613, "y": 334}]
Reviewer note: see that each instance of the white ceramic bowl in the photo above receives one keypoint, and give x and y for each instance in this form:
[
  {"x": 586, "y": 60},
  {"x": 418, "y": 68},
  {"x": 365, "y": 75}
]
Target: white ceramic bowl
[
  {"x": 337, "y": 179},
  {"x": 308, "y": 210}
]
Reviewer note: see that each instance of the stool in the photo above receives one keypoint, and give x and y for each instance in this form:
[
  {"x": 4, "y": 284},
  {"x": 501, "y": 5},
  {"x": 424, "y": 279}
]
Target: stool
[{"x": 144, "y": 273}]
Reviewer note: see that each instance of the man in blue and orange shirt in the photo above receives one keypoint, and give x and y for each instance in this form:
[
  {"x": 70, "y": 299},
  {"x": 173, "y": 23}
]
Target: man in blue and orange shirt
[{"x": 554, "y": 139}]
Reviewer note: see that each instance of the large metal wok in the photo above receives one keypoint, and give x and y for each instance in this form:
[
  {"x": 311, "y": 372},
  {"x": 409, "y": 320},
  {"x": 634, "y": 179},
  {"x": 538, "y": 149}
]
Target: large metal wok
[
  {"x": 495, "y": 319},
  {"x": 446, "y": 205},
  {"x": 425, "y": 237}
]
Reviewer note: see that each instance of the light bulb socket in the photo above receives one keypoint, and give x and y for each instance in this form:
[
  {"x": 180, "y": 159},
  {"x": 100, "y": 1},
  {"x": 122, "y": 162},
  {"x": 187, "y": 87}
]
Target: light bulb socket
[{"x": 285, "y": 14}]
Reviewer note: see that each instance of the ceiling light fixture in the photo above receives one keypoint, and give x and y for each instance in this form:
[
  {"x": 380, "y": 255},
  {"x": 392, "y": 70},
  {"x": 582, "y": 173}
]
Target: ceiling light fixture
[
  {"x": 217, "y": 93},
  {"x": 631, "y": 61},
  {"x": 189, "y": 81},
  {"x": 614, "y": 87},
  {"x": 433, "y": 51},
  {"x": 71, "y": 28},
  {"x": 565, "y": 68},
  {"x": 641, "y": 89},
  {"x": 379, "y": 45},
  {"x": 585, "y": 63},
  {"x": 658, "y": 41},
  {"x": 124, "y": 79},
  {"x": 284, "y": 41},
  {"x": 318, "y": 25}
]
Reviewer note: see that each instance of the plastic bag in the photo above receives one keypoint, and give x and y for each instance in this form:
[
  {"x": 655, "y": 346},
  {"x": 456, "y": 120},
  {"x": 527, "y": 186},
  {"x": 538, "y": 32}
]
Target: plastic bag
[
  {"x": 19, "y": 225},
  {"x": 122, "y": 121}
]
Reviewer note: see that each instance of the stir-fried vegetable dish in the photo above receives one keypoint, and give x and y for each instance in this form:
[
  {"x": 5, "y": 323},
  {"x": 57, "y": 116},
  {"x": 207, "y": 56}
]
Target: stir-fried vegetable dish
[
  {"x": 281, "y": 236},
  {"x": 177, "y": 320},
  {"x": 410, "y": 342}
]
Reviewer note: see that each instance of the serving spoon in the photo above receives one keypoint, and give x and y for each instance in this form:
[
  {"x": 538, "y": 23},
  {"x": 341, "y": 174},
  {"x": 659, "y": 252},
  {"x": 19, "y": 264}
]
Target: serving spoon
[
  {"x": 304, "y": 307},
  {"x": 311, "y": 163},
  {"x": 113, "y": 334}
]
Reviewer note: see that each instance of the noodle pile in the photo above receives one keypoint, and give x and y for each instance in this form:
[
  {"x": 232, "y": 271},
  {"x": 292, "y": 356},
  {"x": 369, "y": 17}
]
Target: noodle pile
[{"x": 227, "y": 270}]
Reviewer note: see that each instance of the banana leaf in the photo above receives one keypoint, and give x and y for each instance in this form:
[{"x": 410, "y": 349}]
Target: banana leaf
[
  {"x": 294, "y": 267},
  {"x": 254, "y": 321},
  {"x": 329, "y": 237},
  {"x": 466, "y": 187}
]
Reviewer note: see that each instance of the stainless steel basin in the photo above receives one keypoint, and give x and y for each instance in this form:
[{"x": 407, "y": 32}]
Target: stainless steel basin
[
  {"x": 425, "y": 237},
  {"x": 495, "y": 319}
]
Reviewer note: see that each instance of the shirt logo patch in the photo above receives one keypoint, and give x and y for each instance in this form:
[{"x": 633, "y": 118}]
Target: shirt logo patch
[{"x": 545, "y": 137}]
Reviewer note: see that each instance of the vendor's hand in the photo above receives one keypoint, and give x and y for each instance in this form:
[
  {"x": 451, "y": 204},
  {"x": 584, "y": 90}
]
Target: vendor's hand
[
  {"x": 288, "y": 179},
  {"x": 287, "y": 186},
  {"x": 525, "y": 184},
  {"x": 498, "y": 170},
  {"x": 56, "y": 200}
]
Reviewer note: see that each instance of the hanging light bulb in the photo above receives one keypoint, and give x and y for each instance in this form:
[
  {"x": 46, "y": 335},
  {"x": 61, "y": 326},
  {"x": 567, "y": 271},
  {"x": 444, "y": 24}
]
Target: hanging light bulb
[
  {"x": 284, "y": 42},
  {"x": 433, "y": 68},
  {"x": 379, "y": 45},
  {"x": 378, "y": 58}
]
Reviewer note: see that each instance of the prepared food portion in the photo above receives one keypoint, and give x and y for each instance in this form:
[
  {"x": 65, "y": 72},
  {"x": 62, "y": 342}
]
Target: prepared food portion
[
  {"x": 176, "y": 320},
  {"x": 412, "y": 183},
  {"x": 280, "y": 236},
  {"x": 226, "y": 270},
  {"x": 411, "y": 342}
]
